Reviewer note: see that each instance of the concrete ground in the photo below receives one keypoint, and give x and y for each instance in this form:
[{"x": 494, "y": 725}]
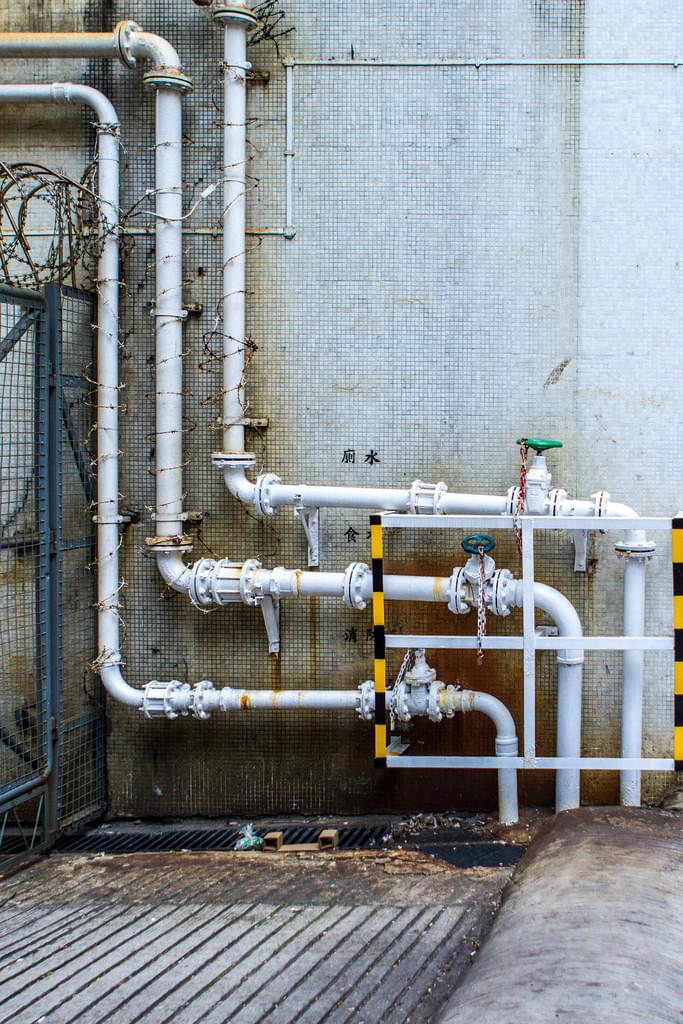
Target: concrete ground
[
  {"x": 239, "y": 937},
  {"x": 590, "y": 930}
]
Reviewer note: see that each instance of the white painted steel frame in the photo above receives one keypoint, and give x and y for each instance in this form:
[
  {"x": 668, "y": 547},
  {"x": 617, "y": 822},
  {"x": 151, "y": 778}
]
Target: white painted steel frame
[{"x": 529, "y": 642}]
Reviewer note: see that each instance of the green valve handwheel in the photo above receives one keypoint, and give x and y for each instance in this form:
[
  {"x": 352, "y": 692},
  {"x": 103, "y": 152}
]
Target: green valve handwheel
[
  {"x": 473, "y": 541},
  {"x": 539, "y": 444}
]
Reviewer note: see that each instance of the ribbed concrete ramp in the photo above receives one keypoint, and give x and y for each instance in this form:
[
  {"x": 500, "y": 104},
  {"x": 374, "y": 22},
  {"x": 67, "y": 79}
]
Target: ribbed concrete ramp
[
  {"x": 591, "y": 928},
  {"x": 239, "y": 938}
]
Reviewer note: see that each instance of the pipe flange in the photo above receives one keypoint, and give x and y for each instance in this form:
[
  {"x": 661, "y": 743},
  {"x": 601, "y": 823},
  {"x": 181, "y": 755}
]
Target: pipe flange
[
  {"x": 355, "y": 577},
  {"x": 168, "y": 78},
  {"x": 433, "y": 701},
  {"x": 556, "y": 498},
  {"x": 225, "y": 13},
  {"x": 425, "y": 499},
  {"x": 249, "y": 592},
  {"x": 366, "y": 703},
  {"x": 398, "y": 702},
  {"x": 600, "y": 502},
  {"x": 165, "y": 700},
  {"x": 262, "y": 493},
  {"x": 233, "y": 460},
  {"x": 512, "y": 500},
  {"x": 199, "y": 590},
  {"x": 646, "y": 550},
  {"x": 201, "y": 692},
  {"x": 501, "y": 592},
  {"x": 458, "y": 592},
  {"x": 122, "y": 38},
  {"x": 448, "y": 700}
]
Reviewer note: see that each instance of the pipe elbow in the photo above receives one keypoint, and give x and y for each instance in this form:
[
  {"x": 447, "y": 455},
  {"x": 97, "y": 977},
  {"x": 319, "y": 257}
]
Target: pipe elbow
[
  {"x": 174, "y": 571},
  {"x": 239, "y": 486},
  {"x": 103, "y": 108},
  {"x": 166, "y": 69},
  {"x": 493, "y": 708},
  {"x": 115, "y": 685}
]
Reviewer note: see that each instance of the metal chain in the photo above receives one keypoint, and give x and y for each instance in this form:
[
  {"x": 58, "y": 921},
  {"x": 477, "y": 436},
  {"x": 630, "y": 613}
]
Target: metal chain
[
  {"x": 481, "y": 606},
  {"x": 408, "y": 659},
  {"x": 521, "y": 490}
]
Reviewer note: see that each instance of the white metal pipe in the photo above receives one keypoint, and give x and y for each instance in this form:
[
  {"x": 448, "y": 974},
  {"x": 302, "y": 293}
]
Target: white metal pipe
[
  {"x": 234, "y": 233},
  {"x": 59, "y": 44},
  {"x": 169, "y": 313},
  {"x": 107, "y": 517},
  {"x": 173, "y": 570},
  {"x": 398, "y": 500},
  {"x": 569, "y": 687},
  {"x": 230, "y": 699},
  {"x": 633, "y": 668},
  {"x": 506, "y": 746}
]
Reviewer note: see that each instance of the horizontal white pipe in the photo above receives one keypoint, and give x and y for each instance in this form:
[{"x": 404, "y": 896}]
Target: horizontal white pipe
[
  {"x": 59, "y": 44},
  {"x": 480, "y": 62},
  {"x": 385, "y": 499},
  {"x": 126, "y": 42},
  {"x": 230, "y": 699}
]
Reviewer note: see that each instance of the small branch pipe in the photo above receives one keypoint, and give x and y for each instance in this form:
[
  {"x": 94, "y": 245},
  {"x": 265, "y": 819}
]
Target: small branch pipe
[{"x": 569, "y": 687}]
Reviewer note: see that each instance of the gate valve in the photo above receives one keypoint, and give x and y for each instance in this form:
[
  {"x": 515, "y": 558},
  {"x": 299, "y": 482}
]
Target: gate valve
[
  {"x": 537, "y": 478},
  {"x": 464, "y": 583}
]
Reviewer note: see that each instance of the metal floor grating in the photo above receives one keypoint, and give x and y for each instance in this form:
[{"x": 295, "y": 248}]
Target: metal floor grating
[{"x": 172, "y": 840}]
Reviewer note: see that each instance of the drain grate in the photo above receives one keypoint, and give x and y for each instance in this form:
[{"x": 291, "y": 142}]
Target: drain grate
[{"x": 174, "y": 840}]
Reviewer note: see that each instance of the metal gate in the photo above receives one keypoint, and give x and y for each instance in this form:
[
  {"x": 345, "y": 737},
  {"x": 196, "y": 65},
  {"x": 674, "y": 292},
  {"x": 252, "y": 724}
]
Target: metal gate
[{"x": 51, "y": 721}]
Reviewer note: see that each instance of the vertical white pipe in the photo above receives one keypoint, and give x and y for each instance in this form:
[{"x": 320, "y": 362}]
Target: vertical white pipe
[
  {"x": 506, "y": 746},
  {"x": 632, "y": 704},
  {"x": 169, "y": 313},
  {"x": 569, "y": 687},
  {"x": 234, "y": 226}
]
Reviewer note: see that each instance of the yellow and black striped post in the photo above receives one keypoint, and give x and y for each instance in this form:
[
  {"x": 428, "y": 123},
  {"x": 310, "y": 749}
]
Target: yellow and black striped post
[
  {"x": 377, "y": 552},
  {"x": 677, "y": 560}
]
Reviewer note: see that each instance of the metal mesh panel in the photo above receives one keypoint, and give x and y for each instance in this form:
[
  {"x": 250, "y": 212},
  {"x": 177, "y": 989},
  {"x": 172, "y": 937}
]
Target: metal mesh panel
[
  {"x": 24, "y": 703},
  {"x": 81, "y": 782}
]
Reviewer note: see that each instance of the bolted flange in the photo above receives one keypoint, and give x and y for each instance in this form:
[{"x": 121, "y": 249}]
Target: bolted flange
[
  {"x": 458, "y": 601},
  {"x": 249, "y": 592},
  {"x": 501, "y": 592},
  {"x": 366, "y": 704},
  {"x": 355, "y": 577},
  {"x": 262, "y": 502},
  {"x": 233, "y": 460},
  {"x": 168, "y": 78},
  {"x": 199, "y": 590},
  {"x": 236, "y": 12},
  {"x": 201, "y": 691}
]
